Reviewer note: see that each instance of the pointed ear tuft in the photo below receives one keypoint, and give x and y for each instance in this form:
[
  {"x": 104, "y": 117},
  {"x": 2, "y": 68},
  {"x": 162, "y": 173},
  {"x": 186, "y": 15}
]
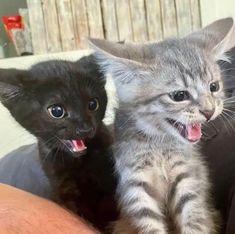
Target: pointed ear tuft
[
  {"x": 11, "y": 84},
  {"x": 114, "y": 48},
  {"x": 218, "y": 37},
  {"x": 117, "y": 59}
]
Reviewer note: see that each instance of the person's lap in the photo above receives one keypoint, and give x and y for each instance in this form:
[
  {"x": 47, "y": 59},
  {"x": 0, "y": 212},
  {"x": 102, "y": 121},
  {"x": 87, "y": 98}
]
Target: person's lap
[{"x": 22, "y": 212}]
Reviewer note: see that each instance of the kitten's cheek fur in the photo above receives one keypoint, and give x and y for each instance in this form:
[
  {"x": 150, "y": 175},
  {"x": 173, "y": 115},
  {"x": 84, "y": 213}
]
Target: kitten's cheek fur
[{"x": 218, "y": 111}]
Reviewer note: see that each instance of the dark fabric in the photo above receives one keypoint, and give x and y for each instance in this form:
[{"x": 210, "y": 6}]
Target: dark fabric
[
  {"x": 21, "y": 168},
  {"x": 230, "y": 225},
  {"x": 220, "y": 155}
]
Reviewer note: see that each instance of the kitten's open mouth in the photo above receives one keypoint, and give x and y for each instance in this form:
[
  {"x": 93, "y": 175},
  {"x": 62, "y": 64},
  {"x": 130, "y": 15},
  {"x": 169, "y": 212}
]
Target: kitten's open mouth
[
  {"x": 75, "y": 146},
  {"x": 191, "y": 132}
]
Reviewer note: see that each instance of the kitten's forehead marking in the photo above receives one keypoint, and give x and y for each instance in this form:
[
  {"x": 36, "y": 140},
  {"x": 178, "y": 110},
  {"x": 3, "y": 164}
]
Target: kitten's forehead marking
[
  {"x": 149, "y": 100},
  {"x": 183, "y": 59}
]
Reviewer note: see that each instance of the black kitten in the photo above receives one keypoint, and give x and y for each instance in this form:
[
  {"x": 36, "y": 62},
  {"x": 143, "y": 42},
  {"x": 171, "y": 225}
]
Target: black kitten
[{"x": 63, "y": 104}]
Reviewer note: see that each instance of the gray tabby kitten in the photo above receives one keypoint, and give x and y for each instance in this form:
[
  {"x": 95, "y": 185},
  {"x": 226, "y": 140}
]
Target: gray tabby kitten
[{"x": 166, "y": 91}]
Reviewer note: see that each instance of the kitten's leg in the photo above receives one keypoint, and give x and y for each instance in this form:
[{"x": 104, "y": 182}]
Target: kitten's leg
[
  {"x": 139, "y": 203},
  {"x": 189, "y": 203}
]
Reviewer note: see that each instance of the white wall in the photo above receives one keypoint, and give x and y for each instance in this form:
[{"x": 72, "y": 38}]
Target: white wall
[{"x": 216, "y": 9}]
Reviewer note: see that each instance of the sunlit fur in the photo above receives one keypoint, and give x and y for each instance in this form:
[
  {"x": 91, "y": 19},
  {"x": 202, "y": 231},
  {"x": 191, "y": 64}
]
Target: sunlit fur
[{"x": 163, "y": 182}]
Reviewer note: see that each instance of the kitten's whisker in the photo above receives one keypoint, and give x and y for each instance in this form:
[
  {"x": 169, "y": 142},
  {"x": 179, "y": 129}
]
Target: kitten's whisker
[
  {"x": 226, "y": 70},
  {"x": 62, "y": 142},
  {"x": 63, "y": 148},
  {"x": 222, "y": 119},
  {"x": 228, "y": 75},
  {"x": 127, "y": 121},
  {"x": 210, "y": 124},
  {"x": 230, "y": 112},
  {"x": 12, "y": 95},
  {"x": 46, "y": 156},
  {"x": 227, "y": 120},
  {"x": 228, "y": 115},
  {"x": 48, "y": 141},
  {"x": 54, "y": 155},
  {"x": 62, "y": 151},
  {"x": 229, "y": 100}
]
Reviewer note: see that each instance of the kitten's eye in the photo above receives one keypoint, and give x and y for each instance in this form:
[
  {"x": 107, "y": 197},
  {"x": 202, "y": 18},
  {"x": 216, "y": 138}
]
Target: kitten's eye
[
  {"x": 57, "y": 111},
  {"x": 180, "y": 96},
  {"x": 93, "y": 104},
  {"x": 214, "y": 87}
]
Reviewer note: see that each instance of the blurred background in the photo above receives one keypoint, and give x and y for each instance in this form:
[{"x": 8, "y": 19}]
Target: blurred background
[{"x": 49, "y": 26}]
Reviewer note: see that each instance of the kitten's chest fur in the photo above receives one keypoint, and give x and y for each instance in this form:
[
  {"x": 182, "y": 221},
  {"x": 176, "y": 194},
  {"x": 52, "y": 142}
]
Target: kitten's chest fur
[
  {"x": 167, "y": 165},
  {"x": 159, "y": 166}
]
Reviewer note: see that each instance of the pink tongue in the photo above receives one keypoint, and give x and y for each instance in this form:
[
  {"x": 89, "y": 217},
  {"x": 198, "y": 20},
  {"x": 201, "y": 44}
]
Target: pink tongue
[
  {"x": 78, "y": 145},
  {"x": 194, "y": 132}
]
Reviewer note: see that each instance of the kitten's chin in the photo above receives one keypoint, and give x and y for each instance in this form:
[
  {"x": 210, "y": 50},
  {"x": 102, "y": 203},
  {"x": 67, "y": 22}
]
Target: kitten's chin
[
  {"x": 189, "y": 132},
  {"x": 77, "y": 148},
  {"x": 78, "y": 154}
]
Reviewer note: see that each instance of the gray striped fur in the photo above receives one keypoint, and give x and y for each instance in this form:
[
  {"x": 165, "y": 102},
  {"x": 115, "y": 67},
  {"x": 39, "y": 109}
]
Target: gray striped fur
[{"x": 162, "y": 175}]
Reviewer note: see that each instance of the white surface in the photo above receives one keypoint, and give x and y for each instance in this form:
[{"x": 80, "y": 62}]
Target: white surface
[
  {"x": 212, "y": 10},
  {"x": 12, "y": 135}
]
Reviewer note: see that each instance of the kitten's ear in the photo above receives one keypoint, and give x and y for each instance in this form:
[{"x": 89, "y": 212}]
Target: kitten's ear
[
  {"x": 11, "y": 84},
  {"x": 218, "y": 37},
  {"x": 115, "y": 57},
  {"x": 118, "y": 59}
]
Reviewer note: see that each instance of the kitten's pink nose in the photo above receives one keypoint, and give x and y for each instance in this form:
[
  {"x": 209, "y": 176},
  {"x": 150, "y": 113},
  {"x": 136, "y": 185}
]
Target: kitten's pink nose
[{"x": 208, "y": 113}]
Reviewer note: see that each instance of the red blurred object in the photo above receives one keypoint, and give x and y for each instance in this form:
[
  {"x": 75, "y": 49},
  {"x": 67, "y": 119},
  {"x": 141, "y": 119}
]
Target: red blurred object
[{"x": 12, "y": 22}]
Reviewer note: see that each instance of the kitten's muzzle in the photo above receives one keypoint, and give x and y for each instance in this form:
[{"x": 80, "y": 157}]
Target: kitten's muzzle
[{"x": 86, "y": 131}]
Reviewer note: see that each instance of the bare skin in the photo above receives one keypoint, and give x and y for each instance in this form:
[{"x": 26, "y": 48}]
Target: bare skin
[{"x": 22, "y": 212}]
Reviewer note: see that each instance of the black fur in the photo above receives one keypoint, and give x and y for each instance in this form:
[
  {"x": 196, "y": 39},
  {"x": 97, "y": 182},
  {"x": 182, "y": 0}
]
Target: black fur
[{"x": 84, "y": 183}]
